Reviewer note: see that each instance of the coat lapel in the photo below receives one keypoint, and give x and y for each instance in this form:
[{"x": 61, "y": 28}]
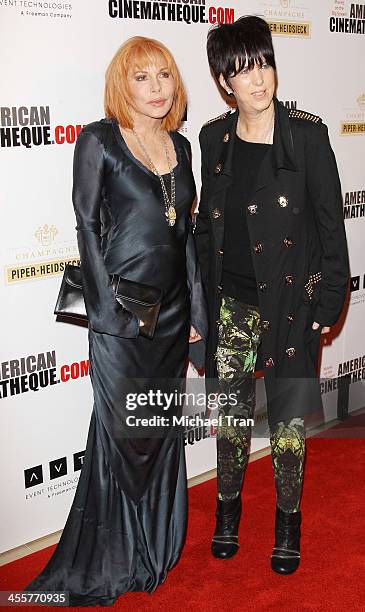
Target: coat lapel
[{"x": 282, "y": 154}]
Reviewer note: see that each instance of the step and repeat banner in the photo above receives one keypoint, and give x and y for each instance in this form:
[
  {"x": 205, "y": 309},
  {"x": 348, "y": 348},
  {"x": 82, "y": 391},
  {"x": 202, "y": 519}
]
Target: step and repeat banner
[{"x": 54, "y": 55}]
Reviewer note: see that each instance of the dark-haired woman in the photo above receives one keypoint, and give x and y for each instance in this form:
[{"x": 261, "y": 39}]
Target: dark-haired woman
[{"x": 273, "y": 254}]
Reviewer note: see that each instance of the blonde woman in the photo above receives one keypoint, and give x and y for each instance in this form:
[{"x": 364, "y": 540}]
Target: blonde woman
[{"x": 133, "y": 192}]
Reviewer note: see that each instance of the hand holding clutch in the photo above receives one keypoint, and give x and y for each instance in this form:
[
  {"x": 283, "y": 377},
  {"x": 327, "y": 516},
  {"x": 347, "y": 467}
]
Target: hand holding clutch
[{"x": 142, "y": 300}]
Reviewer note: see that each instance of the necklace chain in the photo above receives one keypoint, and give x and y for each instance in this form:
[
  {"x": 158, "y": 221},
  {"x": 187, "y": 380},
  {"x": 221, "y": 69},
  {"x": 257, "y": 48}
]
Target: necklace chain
[
  {"x": 269, "y": 133},
  {"x": 170, "y": 211}
]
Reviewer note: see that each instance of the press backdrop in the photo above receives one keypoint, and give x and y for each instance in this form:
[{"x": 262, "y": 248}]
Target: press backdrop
[{"x": 54, "y": 56}]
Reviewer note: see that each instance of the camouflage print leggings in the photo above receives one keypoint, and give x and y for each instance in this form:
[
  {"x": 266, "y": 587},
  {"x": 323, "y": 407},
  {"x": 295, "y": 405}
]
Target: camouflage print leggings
[{"x": 239, "y": 338}]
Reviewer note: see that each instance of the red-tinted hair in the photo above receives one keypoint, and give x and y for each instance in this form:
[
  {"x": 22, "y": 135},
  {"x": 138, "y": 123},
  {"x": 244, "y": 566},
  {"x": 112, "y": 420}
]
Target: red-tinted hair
[{"x": 140, "y": 52}]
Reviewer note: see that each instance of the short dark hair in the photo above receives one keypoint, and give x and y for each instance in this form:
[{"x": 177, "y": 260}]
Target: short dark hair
[{"x": 230, "y": 45}]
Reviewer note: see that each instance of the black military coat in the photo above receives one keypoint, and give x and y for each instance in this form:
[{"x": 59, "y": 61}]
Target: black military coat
[{"x": 299, "y": 248}]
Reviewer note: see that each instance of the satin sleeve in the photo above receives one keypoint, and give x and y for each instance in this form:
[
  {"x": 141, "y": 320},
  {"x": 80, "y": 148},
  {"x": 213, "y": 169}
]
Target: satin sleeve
[
  {"x": 198, "y": 310},
  {"x": 199, "y": 318},
  {"x": 104, "y": 313},
  {"x": 203, "y": 227}
]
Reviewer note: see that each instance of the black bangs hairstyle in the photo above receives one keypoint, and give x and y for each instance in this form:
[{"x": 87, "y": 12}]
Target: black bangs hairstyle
[{"x": 232, "y": 47}]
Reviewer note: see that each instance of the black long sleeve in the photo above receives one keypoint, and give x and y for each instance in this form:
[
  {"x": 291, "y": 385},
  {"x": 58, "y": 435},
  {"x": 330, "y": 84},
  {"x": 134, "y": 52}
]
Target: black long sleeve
[
  {"x": 104, "y": 313},
  {"x": 325, "y": 194}
]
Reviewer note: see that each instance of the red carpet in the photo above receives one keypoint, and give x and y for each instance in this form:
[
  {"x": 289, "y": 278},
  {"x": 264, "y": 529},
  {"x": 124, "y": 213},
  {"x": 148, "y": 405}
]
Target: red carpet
[{"x": 332, "y": 571}]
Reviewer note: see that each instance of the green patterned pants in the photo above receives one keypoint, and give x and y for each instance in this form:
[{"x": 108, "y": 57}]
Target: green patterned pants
[{"x": 239, "y": 338}]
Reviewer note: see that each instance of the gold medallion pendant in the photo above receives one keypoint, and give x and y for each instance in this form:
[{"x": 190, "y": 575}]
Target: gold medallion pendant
[
  {"x": 170, "y": 212},
  {"x": 171, "y": 215}
]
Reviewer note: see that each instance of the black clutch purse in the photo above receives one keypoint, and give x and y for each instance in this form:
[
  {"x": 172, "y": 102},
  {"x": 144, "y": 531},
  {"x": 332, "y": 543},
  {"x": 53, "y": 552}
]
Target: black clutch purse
[{"x": 138, "y": 298}]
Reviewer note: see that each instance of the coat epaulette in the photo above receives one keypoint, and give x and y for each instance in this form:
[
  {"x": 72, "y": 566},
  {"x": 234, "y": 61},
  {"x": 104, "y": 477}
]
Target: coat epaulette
[
  {"x": 298, "y": 114},
  {"x": 219, "y": 118}
]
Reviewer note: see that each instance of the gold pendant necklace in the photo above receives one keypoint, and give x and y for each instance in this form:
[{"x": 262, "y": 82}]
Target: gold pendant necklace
[{"x": 170, "y": 211}]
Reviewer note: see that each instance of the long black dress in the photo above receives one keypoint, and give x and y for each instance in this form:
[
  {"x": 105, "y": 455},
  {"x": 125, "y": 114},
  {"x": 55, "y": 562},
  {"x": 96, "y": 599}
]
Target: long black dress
[{"x": 127, "y": 523}]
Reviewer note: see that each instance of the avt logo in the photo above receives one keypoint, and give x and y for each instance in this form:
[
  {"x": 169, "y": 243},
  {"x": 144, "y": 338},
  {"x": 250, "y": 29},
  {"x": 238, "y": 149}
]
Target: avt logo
[
  {"x": 56, "y": 468},
  {"x": 355, "y": 284}
]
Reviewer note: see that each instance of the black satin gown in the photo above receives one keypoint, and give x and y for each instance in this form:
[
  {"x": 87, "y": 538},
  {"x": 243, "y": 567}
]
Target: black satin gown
[{"x": 127, "y": 523}]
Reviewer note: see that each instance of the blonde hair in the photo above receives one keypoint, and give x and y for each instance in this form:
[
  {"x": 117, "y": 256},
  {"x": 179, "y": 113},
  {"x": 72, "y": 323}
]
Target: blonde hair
[{"x": 140, "y": 52}]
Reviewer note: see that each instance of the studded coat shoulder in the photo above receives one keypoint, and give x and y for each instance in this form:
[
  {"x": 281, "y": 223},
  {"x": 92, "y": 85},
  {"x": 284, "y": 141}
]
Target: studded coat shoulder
[{"x": 298, "y": 242}]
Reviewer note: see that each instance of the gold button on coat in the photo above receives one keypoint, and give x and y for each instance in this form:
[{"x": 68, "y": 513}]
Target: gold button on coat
[
  {"x": 252, "y": 209},
  {"x": 289, "y": 279},
  {"x": 269, "y": 362},
  {"x": 216, "y": 213},
  {"x": 287, "y": 242},
  {"x": 226, "y": 137},
  {"x": 283, "y": 201},
  {"x": 218, "y": 168},
  {"x": 258, "y": 248},
  {"x": 290, "y": 351}
]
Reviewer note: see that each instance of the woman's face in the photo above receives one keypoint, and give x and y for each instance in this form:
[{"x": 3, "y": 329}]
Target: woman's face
[
  {"x": 152, "y": 90},
  {"x": 253, "y": 89}
]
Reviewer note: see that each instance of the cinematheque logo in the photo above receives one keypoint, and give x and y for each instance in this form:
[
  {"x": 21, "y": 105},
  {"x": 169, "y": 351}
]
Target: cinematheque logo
[
  {"x": 30, "y": 126},
  {"x": 188, "y": 11},
  {"x": 354, "y": 368},
  {"x": 354, "y": 204},
  {"x": 290, "y": 104},
  {"x": 347, "y": 18},
  {"x": 35, "y": 372}
]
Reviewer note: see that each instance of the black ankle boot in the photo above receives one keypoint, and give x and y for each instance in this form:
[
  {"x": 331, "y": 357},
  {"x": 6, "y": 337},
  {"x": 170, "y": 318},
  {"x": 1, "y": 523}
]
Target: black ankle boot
[
  {"x": 225, "y": 538},
  {"x": 285, "y": 557}
]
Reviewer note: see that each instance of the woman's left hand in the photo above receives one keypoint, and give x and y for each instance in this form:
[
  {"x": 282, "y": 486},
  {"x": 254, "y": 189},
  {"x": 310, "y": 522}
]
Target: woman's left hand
[
  {"x": 194, "y": 336},
  {"x": 325, "y": 330}
]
